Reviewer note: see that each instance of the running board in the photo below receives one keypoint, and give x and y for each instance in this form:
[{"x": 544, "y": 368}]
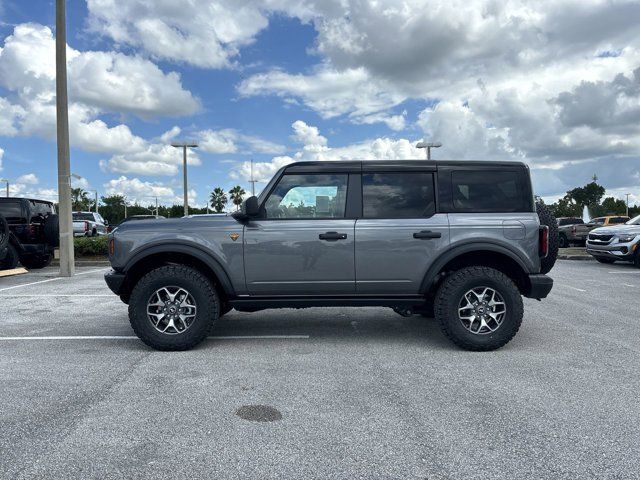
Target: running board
[{"x": 259, "y": 303}]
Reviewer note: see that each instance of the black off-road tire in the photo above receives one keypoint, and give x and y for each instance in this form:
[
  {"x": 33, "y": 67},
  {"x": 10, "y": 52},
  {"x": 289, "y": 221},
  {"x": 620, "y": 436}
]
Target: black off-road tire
[
  {"x": 4, "y": 233},
  {"x": 52, "y": 230},
  {"x": 605, "y": 260},
  {"x": 10, "y": 259},
  {"x": 201, "y": 289},
  {"x": 547, "y": 218},
  {"x": 563, "y": 242},
  {"x": 37, "y": 261},
  {"x": 450, "y": 294}
]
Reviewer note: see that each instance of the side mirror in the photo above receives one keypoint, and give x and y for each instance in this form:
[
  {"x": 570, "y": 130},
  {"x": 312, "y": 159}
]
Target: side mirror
[{"x": 251, "y": 207}]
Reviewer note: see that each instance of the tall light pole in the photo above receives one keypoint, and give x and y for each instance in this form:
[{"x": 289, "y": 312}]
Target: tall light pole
[
  {"x": 252, "y": 181},
  {"x": 7, "y": 182},
  {"x": 67, "y": 267},
  {"x": 627, "y": 194},
  {"x": 184, "y": 146},
  {"x": 428, "y": 146}
]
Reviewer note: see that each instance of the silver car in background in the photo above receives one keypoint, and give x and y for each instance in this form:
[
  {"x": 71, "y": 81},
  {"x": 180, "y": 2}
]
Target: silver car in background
[{"x": 617, "y": 242}]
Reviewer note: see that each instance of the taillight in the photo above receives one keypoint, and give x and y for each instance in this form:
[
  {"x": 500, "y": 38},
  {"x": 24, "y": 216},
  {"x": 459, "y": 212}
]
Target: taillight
[
  {"x": 543, "y": 245},
  {"x": 86, "y": 226},
  {"x": 574, "y": 229},
  {"x": 112, "y": 246}
]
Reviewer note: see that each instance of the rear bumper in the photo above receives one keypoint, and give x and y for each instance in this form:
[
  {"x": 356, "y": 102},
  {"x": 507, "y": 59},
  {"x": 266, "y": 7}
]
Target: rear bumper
[
  {"x": 115, "y": 281},
  {"x": 541, "y": 285}
]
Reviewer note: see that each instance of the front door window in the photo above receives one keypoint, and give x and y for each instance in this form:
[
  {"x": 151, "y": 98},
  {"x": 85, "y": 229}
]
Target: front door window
[{"x": 308, "y": 196}]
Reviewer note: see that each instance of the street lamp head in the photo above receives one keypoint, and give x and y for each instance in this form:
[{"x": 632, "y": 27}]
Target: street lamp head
[
  {"x": 3, "y": 180},
  {"x": 184, "y": 144},
  {"x": 77, "y": 177},
  {"x": 428, "y": 145}
]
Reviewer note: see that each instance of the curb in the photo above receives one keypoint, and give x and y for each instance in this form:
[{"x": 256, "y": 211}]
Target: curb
[
  {"x": 88, "y": 263},
  {"x": 575, "y": 257}
]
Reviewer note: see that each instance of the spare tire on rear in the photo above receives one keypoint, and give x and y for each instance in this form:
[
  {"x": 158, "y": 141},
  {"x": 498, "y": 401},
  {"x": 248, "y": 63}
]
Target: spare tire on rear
[
  {"x": 52, "y": 230},
  {"x": 4, "y": 233},
  {"x": 547, "y": 218}
]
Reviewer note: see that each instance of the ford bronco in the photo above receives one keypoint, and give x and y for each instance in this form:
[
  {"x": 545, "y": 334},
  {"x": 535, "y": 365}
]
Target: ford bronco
[{"x": 460, "y": 241}]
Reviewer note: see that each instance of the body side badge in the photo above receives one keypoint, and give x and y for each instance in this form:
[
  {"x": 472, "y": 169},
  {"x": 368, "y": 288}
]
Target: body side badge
[{"x": 234, "y": 236}]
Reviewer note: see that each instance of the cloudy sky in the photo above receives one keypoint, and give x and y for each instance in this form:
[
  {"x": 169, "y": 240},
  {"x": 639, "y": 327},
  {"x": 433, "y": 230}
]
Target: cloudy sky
[{"x": 553, "y": 83}]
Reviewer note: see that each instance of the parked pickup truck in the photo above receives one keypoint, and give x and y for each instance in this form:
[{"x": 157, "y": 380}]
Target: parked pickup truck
[
  {"x": 461, "y": 241},
  {"x": 572, "y": 230},
  {"x": 89, "y": 224}
]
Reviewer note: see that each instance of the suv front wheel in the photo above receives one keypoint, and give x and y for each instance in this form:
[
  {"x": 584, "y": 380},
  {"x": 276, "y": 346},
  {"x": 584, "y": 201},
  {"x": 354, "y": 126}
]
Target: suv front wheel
[
  {"x": 479, "y": 308},
  {"x": 173, "y": 307}
]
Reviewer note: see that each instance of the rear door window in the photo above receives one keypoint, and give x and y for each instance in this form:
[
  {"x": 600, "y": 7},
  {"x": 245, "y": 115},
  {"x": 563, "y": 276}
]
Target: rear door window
[
  {"x": 398, "y": 195},
  {"x": 12, "y": 211},
  {"x": 490, "y": 191}
]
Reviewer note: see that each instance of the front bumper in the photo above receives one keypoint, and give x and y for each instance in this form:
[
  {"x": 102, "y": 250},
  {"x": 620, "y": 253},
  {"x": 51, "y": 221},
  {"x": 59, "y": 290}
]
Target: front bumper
[
  {"x": 541, "y": 285},
  {"x": 115, "y": 281},
  {"x": 614, "y": 251}
]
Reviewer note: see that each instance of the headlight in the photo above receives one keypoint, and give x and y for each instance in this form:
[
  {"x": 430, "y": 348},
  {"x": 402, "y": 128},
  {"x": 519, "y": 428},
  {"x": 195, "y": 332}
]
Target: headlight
[{"x": 625, "y": 238}]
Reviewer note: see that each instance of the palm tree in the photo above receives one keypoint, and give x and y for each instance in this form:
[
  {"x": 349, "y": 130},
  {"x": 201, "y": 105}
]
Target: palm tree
[
  {"x": 80, "y": 199},
  {"x": 237, "y": 193},
  {"x": 218, "y": 200}
]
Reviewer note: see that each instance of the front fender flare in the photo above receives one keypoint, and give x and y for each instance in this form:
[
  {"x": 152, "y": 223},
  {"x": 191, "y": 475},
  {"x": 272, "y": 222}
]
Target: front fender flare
[{"x": 185, "y": 248}]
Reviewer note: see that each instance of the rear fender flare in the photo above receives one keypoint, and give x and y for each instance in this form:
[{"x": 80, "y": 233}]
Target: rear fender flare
[{"x": 432, "y": 273}]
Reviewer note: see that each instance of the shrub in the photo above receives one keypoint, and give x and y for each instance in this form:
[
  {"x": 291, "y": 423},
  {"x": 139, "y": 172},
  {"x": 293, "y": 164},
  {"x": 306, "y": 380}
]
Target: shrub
[{"x": 87, "y": 246}]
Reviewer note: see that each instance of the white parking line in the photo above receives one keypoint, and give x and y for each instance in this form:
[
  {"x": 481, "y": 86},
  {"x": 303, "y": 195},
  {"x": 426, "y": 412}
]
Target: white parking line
[
  {"x": 50, "y": 280},
  {"x": 132, "y": 337},
  {"x": 572, "y": 288},
  {"x": 624, "y": 271},
  {"x": 27, "y": 295}
]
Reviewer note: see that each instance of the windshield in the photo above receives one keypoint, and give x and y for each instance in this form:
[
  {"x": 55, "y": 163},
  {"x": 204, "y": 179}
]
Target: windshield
[{"x": 634, "y": 221}]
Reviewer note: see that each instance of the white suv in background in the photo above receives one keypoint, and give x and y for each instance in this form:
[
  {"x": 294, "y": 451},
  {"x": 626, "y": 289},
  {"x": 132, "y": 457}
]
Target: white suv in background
[{"x": 616, "y": 242}]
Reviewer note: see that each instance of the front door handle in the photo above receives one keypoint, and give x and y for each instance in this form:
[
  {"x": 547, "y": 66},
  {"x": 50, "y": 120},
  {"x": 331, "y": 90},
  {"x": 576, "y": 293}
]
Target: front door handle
[
  {"x": 332, "y": 236},
  {"x": 427, "y": 234}
]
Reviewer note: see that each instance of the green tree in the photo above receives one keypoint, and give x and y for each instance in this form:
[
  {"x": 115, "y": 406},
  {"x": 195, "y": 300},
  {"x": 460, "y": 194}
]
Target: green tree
[
  {"x": 218, "y": 200},
  {"x": 589, "y": 195},
  {"x": 237, "y": 194},
  {"x": 112, "y": 208},
  {"x": 80, "y": 200}
]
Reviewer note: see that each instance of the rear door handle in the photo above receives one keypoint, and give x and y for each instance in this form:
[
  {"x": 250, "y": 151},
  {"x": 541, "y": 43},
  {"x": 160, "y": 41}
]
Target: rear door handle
[
  {"x": 427, "y": 234},
  {"x": 332, "y": 236}
]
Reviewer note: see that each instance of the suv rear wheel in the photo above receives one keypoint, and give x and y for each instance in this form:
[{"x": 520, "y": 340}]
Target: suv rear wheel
[
  {"x": 173, "y": 307},
  {"x": 10, "y": 259},
  {"x": 36, "y": 261},
  {"x": 479, "y": 308}
]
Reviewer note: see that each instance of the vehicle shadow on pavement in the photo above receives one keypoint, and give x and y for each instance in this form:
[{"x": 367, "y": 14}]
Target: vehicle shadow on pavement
[{"x": 374, "y": 324}]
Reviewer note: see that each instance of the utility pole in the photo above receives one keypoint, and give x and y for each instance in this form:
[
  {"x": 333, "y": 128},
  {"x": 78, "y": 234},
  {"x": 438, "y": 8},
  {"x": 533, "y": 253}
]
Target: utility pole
[
  {"x": 184, "y": 146},
  {"x": 428, "y": 146},
  {"x": 67, "y": 266},
  {"x": 627, "y": 194},
  {"x": 252, "y": 181},
  {"x": 7, "y": 182},
  {"x": 156, "y": 206}
]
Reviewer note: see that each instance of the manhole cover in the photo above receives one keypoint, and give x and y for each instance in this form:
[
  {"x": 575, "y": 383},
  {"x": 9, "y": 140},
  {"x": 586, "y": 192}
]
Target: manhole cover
[{"x": 259, "y": 413}]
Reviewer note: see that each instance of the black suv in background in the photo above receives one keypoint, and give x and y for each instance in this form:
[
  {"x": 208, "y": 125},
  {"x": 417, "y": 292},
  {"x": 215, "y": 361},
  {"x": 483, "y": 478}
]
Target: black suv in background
[{"x": 29, "y": 232}]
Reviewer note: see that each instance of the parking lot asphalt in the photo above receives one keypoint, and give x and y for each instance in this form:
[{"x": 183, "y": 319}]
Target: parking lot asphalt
[{"x": 354, "y": 392}]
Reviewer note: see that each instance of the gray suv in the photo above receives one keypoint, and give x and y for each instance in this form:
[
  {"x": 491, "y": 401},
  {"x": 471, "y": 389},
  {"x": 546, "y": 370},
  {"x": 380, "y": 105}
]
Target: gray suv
[{"x": 460, "y": 241}]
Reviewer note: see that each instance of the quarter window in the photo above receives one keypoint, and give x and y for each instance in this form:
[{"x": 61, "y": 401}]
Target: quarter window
[
  {"x": 490, "y": 191},
  {"x": 398, "y": 195},
  {"x": 308, "y": 196}
]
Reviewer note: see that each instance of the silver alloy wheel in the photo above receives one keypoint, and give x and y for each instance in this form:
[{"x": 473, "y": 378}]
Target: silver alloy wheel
[
  {"x": 171, "y": 310},
  {"x": 482, "y": 310}
]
